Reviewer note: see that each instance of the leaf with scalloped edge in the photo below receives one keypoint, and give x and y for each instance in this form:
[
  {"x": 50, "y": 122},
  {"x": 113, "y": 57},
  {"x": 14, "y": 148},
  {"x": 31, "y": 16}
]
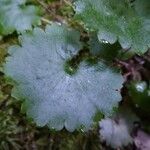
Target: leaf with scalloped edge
[
  {"x": 105, "y": 51},
  {"x": 16, "y": 15},
  {"x": 53, "y": 97},
  {"x": 115, "y": 133},
  {"x": 116, "y": 22}
]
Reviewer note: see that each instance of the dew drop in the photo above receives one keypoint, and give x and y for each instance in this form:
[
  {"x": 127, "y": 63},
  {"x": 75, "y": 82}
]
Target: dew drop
[
  {"x": 58, "y": 23},
  {"x": 82, "y": 130},
  {"x": 136, "y": 105},
  {"x": 141, "y": 87},
  {"x": 104, "y": 41},
  {"x": 80, "y": 6}
]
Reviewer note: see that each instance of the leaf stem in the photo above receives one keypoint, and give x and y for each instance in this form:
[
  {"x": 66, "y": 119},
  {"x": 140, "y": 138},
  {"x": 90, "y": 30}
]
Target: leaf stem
[
  {"x": 68, "y": 3},
  {"x": 46, "y": 21}
]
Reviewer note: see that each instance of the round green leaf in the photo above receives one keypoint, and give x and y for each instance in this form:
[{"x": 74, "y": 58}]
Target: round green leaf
[
  {"x": 52, "y": 96},
  {"x": 117, "y": 22}
]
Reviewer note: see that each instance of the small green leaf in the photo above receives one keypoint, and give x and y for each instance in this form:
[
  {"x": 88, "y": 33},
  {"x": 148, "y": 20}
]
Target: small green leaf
[
  {"x": 115, "y": 133},
  {"x": 53, "y": 96},
  {"x": 16, "y": 15}
]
